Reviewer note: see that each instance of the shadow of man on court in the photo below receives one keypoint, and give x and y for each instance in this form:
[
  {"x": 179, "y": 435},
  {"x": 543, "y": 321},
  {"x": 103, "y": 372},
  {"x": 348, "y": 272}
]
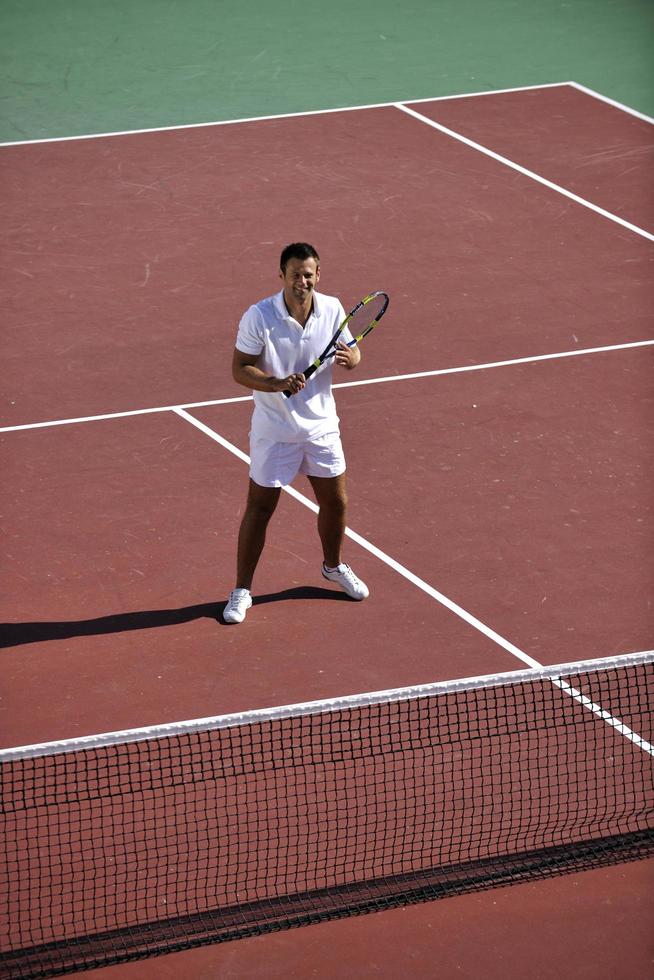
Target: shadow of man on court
[{"x": 16, "y": 634}]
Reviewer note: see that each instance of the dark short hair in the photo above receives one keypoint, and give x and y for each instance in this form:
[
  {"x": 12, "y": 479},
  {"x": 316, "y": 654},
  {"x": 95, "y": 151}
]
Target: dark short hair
[{"x": 298, "y": 250}]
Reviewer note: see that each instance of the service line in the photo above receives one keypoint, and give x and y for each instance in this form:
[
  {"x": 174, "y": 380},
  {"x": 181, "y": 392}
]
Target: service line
[{"x": 437, "y": 372}]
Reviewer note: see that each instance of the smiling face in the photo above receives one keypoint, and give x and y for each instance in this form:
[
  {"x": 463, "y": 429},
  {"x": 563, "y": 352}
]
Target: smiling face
[{"x": 299, "y": 277}]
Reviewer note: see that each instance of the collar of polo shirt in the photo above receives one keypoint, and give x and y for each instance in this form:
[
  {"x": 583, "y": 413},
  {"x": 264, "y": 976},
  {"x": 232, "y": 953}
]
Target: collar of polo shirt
[{"x": 281, "y": 308}]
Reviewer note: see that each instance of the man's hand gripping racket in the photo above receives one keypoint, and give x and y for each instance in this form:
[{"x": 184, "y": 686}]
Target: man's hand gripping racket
[{"x": 361, "y": 320}]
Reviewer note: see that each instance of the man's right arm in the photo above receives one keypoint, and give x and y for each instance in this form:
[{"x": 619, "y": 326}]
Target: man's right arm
[{"x": 245, "y": 372}]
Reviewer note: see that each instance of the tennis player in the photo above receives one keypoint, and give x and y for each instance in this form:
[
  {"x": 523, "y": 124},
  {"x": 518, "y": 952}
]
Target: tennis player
[{"x": 277, "y": 338}]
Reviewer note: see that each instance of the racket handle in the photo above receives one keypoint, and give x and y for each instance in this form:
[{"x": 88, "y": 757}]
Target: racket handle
[{"x": 307, "y": 374}]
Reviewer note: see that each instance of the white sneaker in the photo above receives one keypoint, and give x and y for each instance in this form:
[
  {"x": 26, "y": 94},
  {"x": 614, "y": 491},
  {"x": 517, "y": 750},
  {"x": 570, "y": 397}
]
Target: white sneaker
[
  {"x": 345, "y": 577},
  {"x": 238, "y": 604}
]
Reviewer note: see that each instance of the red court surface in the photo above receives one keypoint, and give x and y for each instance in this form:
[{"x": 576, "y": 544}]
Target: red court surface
[
  {"x": 137, "y": 255},
  {"x": 521, "y": 492},
  {"x": 596, "y": 924},
  {"x": 588, "y": 146}
]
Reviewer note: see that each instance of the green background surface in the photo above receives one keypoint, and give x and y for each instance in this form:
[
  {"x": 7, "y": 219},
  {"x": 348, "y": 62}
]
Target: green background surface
[{"x": 71, "y": 67}]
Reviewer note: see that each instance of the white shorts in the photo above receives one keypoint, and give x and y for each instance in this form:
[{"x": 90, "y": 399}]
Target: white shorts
[{"x": 276, "y": 464}]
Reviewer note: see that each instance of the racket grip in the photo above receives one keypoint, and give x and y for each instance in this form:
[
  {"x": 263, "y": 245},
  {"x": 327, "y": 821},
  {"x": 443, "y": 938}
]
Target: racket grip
[{"x": 307, "y": 374}]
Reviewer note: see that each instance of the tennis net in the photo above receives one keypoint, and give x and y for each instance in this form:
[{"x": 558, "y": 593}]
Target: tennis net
[{"x": 144, "y": 842}]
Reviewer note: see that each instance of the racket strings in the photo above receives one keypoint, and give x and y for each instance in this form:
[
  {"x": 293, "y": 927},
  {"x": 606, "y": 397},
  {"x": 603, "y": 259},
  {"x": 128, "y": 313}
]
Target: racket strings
[
  {"x": 359, "y": 323},
  {"x": 367, "y": 315}
]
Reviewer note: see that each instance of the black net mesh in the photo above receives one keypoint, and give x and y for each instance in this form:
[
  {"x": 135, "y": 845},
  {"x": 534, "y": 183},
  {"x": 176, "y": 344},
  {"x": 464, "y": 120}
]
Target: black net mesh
[{"x": 125, "y": 850}]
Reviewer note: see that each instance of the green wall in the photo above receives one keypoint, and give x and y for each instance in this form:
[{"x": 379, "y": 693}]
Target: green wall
[{"x": 83, "y": 66}]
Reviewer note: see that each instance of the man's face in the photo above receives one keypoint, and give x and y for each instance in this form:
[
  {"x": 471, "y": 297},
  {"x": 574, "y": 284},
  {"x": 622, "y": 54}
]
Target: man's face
[{"x": 300, "y": 277}]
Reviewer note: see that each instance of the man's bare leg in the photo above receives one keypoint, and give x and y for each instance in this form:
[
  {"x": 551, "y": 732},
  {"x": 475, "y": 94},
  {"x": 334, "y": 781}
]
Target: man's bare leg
[
  {"x": 331, "y": 497},
  {"x": 260, "y": 507}
]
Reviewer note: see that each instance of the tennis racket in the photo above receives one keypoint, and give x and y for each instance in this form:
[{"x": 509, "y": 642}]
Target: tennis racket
[{"x": 362, "y": 319}]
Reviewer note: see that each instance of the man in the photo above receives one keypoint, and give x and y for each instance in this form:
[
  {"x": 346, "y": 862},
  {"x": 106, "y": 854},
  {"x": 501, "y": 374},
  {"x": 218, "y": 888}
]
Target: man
[{"x": 277, "y": 338}]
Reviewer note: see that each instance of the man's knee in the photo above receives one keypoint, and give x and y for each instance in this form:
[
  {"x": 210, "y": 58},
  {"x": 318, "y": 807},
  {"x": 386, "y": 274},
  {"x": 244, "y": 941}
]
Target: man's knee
[
  {"x": 331, "y": 493},
  {"x": 261, "y": 502},
  {"x": 338, "y": 503}
]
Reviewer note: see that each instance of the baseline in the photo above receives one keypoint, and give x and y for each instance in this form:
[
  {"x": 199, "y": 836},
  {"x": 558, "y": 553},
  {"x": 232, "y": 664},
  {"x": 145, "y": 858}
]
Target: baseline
[
  {"x": 318, "y": 112},
  {"x": 282, "y": 115}
]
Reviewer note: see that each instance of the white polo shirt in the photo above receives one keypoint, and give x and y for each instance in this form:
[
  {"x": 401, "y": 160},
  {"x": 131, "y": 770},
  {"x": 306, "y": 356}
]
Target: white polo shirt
[{"x": 284, "y": 347}]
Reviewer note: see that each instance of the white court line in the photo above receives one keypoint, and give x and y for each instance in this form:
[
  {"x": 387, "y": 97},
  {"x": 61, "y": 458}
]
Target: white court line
[
  {"x": 492, "y": 364},
  {"x": 281, "y": 115},
  {"x": 322, "y": 112},
  {"x": 180, "y": 410},
  {"x": 377, "y": 552},
  {"x": 453, "y": 607},
  {"x": 527, "y": 173},
  {"x": 345, "y": 384},
  {"x": 604, "y": 715},
  {"x": 123, "y": 415},
  {"x": 613, "y": 102}
]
